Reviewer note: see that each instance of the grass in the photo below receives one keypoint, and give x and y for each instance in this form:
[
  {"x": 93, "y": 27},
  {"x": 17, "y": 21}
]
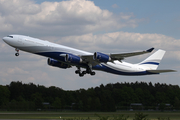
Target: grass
[{"x": 85, "y": 115}]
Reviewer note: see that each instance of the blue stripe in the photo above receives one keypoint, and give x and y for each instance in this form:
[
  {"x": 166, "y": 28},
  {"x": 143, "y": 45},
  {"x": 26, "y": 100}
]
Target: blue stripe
[
  {"x": 153, "y": 63},
  {"x": 56, "y": 55}
]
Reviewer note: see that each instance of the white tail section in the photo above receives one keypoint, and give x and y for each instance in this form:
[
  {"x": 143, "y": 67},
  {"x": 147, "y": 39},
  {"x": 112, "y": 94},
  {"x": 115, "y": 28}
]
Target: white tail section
[{"x": 153, "y": 61}]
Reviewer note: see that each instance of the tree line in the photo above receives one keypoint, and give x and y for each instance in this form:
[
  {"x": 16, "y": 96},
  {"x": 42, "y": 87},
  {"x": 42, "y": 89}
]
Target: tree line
[{"x": 110, "y": 97}]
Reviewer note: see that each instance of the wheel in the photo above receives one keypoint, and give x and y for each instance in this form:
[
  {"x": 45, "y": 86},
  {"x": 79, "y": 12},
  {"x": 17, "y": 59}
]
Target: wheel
[
  {"x": 84, "y": 72},
  {"x": 16, "y": 54},
  {"x": 88, "y": 71},
  {"x": 92, "y": 73},
  {"x": 81, "y": 74},
  {"x": 77, "y": 71}
]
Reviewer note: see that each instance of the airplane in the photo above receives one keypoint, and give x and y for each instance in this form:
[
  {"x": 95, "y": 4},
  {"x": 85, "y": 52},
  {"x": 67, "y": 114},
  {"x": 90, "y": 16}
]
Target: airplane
[{"x": 66, "y": 57}]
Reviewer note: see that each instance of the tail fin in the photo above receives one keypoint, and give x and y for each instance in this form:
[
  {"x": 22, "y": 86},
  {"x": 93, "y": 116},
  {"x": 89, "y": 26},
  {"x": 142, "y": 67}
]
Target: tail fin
[{"x": 153, "y": 61}]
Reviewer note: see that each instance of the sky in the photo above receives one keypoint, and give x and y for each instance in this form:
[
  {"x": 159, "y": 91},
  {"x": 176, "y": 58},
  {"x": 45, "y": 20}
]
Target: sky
[{"x": 108, "y": 26}]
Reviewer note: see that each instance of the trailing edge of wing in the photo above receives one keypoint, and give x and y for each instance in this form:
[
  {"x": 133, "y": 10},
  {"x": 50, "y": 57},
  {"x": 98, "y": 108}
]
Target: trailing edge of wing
[{"x": 160, "y": 71}]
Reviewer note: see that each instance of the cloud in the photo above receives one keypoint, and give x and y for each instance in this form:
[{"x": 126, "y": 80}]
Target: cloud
[
  {"x": 119, "y": 41},
  {"x": 63, "y": 18},
  {"x": 114, "y": 6}
]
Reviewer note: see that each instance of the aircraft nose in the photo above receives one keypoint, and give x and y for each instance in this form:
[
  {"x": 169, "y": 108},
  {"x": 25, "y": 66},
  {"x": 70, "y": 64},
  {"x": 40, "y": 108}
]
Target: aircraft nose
[
  {"x": 7, "y": 39},
  {"x": 4, "y": 39}
]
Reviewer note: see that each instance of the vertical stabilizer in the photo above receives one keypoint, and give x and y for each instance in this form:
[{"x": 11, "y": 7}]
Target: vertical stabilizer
[{"x": 153, "y": 61}]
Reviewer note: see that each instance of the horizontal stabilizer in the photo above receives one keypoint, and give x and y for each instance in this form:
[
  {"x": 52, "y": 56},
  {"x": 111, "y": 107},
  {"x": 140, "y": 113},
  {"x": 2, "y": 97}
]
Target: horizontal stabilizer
[{"x": 160, "y": 71}]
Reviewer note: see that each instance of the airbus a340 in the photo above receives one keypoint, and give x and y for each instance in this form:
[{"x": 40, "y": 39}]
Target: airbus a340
[{"x": 66, "y": 57}]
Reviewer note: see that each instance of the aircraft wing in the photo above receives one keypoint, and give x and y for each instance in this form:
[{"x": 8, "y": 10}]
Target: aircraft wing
[
  {"x": 124, "y": 55},
  {"x": 90, "y": 58}
]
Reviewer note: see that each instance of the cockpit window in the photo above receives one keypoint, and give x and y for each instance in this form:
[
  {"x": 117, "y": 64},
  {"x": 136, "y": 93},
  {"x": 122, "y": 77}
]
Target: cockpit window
[{"x": 10, "y": 36}]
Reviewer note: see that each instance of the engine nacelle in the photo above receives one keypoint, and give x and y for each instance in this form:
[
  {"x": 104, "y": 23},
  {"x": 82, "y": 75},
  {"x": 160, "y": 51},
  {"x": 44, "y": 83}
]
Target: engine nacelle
[
  {"x": 101, "y": 57},
  {"x": 72, "y": 58},
  {"x": 55, "y": 63}
]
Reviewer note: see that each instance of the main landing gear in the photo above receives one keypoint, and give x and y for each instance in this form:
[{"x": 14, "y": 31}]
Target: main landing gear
[
  {"x": 17, "y": 50},
  {"x": 87, "y": 71}
]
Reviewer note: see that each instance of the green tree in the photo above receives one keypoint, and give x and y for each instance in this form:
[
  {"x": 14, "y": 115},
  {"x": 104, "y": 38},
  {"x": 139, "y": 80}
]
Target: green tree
[
  {"x": 80, "y": 105},
  {"x": 57, "y": 103},
  {"x": 139, "y": 93},
  {"x": 160, "y": 97},
  {"x": 16, "y": 89},
  {"x": 162, "y": 106},
  {"x": 38, "y": 100},
  {"x": 89, "y": 100},
  {"x": 96, "y": 104},
  {"x": 4, "y": 95},
  {"x": 13, "y": 105},
  {"x": 176, "y": 103}
]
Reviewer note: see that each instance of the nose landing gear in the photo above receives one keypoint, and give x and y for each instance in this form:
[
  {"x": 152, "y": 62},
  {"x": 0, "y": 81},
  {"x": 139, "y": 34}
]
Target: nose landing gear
[{"x": 17, "y": 50}]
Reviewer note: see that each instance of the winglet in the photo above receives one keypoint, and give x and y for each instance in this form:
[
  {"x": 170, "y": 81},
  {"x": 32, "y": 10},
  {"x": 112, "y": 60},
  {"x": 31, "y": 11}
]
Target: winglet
[{"x": 150, "y": 50}]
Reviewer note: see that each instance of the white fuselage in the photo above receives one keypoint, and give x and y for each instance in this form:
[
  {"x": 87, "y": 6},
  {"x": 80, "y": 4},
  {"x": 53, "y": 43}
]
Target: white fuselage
[{"x": 56, "y": 51}]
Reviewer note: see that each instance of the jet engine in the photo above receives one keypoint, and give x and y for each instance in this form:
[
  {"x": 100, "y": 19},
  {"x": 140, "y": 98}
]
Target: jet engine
[
  {"x": 72, "y": 58},
  {"x": 101, "y": 57},
  {"x": 55, "y": 63}
]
